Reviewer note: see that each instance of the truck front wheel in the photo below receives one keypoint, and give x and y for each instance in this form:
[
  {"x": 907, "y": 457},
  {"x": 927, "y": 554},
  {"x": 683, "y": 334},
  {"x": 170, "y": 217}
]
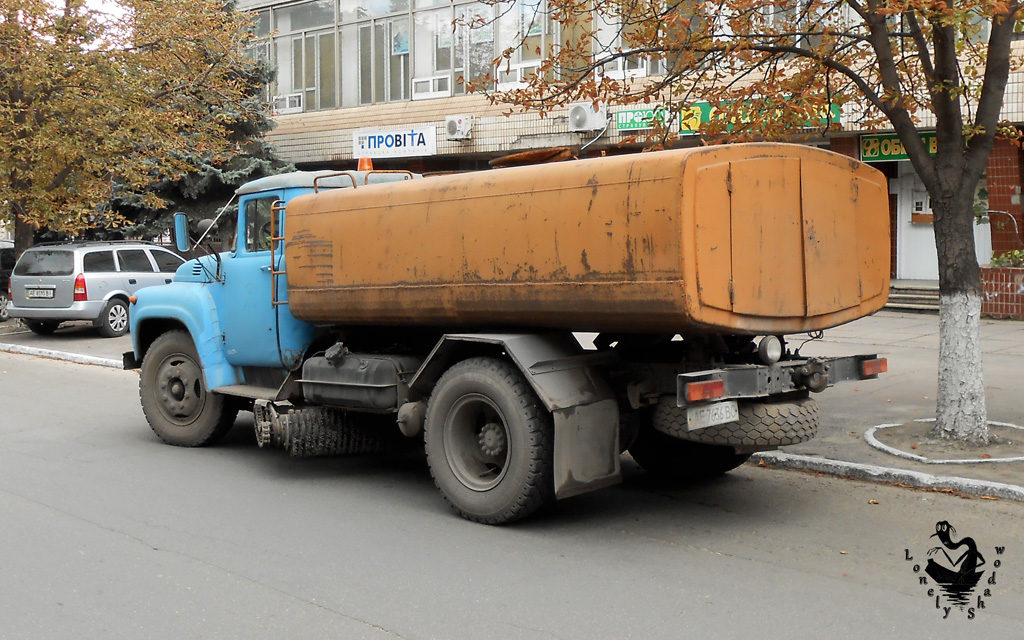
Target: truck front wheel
[
  {"x": 179, "y": 407},
  {"x": 489, "y": 442}
]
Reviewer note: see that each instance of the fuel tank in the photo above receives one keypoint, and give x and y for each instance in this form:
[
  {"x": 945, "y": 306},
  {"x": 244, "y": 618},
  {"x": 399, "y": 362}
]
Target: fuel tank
[{"x": 745, "y": 239}]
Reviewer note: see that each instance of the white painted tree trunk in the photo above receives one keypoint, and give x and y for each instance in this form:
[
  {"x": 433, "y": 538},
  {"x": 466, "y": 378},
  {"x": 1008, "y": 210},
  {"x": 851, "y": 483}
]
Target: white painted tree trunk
[{"x": 960, "y": 411}]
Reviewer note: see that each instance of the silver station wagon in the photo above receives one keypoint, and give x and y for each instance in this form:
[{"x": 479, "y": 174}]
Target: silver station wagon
[{"x": 52, "y": 283}]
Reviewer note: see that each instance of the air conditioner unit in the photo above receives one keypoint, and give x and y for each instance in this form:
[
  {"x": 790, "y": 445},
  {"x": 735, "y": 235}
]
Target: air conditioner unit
[
  {"x": 583, "y": 117},
  {"x": 458, "y": 127}
]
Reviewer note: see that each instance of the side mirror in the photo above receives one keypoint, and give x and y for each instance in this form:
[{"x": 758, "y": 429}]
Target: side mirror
[{"x": 181, "y": 240}]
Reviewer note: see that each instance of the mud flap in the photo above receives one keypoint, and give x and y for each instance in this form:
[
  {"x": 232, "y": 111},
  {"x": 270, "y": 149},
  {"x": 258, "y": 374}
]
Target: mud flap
[{"x": 586, "y": 448}]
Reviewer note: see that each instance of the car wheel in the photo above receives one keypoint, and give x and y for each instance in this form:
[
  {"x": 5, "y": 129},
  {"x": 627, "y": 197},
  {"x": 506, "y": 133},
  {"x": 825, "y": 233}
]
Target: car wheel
[
  {"x": 113, "y": 322},
  {"x": 3, "y": 306},
  {"x": 489, "y": 442},
  {"x": 178, "y": 406},
  {"x": 42, "y": 328}
]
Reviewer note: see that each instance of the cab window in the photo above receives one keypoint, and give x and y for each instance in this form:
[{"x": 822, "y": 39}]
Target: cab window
[{"x": 257, "y": 224}]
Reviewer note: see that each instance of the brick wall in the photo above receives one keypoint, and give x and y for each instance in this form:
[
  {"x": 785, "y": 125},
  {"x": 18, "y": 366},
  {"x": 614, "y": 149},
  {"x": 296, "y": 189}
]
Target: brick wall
[
  {"x": 1003, "y": 293},
  {"x": 1004, "y": 187},
  {"x": 848, "y": 146}
]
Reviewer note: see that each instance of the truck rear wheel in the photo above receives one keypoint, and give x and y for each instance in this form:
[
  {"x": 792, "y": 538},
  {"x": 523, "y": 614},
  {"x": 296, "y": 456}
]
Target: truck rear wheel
[
  {"x": 489, "y": 442},
  {"x": 677, "y": 460},
  {"x": 179, "y": 407}
]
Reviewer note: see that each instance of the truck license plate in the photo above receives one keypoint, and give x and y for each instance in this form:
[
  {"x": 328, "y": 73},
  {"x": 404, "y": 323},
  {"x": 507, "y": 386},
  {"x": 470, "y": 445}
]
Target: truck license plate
[
  {"x": 712, "y": 414},
  {"x": 38, "y": 293}
]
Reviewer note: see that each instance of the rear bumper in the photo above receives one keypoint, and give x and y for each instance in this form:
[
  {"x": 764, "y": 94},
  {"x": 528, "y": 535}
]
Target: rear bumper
[
  {"x": 77, "y": 311},
  {"x": 764, "y": 381}
]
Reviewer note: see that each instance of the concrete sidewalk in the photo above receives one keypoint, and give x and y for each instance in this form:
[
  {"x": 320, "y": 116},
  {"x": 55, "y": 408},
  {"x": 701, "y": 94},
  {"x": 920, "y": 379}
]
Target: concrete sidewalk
[{"x": 868, "y": 429}]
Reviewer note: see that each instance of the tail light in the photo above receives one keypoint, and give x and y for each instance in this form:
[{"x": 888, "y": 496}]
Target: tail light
[
  {"x": 697, "y": 391},
  {"x": 871, "y": 368},
  {"x": 81, "y": 295}
]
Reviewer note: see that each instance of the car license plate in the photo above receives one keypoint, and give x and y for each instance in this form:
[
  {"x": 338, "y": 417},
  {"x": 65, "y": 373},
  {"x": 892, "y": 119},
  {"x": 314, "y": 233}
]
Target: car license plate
[
  {"x": 712, "y": 414},
  {"x": 38, "y": 293}
]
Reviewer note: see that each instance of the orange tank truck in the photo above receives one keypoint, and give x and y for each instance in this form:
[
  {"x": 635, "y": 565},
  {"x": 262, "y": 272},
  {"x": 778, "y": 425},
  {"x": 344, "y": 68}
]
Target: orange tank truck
[
  {"x": 528, "y": 326},
  {"x": 749, "y": 239}
]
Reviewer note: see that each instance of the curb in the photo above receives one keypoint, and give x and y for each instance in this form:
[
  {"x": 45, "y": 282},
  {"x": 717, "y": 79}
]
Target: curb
[
  {"x": 888, "y": 475},
  {"x": 869, "y": 436},
  {"x": 62, "y": 355}
]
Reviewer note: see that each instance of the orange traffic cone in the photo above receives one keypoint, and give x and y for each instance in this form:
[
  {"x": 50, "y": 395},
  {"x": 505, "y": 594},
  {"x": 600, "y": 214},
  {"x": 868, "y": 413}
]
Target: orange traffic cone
[{"x": 365, "y": 164}]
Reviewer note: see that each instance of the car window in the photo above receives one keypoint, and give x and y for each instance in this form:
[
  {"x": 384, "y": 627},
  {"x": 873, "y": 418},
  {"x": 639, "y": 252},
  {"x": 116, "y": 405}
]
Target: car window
[
  {"x": 6, "y": 259},
  {"x": 166, "y": 261},
  {"x": 257, "y": 224},
  {"x": 98, "y": 262},
  {"x": 134, "y": 260},
  {"x": 45, "y": 262}
]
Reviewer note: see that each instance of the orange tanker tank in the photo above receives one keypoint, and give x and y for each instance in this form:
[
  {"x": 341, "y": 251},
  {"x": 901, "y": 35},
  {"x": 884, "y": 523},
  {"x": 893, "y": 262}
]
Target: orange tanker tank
[{"x": 748, "y": 239}]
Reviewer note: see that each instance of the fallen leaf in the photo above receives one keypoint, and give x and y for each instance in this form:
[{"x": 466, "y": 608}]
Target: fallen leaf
[
  {"x": 986, "y": 455},
  {"x": 889, "y": 400},
  {"x": 913, "y": 446},
  {"x": 872, "y": 501},
  {"x": 990, "y": 497},
  {"x": 844, "y": 553}
]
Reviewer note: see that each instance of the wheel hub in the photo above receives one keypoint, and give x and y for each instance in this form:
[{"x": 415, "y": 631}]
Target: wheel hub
[
  {"x": 181, "y": 392},
  {"x": 476, "y": 442},
  {"x": 492, "y": 439}
]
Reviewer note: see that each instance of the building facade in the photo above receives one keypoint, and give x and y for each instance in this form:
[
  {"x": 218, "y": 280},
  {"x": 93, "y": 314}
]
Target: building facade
[{"x": 381, "y": 79}]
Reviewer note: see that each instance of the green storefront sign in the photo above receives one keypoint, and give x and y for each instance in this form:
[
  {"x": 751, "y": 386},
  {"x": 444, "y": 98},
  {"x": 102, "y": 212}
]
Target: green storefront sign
[
  {"x": 690, "y": 118},
  {"x": 884, "y": 147},
  {"x": 638, "y": 119}
]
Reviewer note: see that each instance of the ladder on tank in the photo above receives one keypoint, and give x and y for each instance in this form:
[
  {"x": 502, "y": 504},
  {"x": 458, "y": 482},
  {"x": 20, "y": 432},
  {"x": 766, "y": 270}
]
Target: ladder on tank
[{"x": 276, "y": 210}]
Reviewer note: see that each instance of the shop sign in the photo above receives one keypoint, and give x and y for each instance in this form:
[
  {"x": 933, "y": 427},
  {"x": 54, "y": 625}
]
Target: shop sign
[
  {"x": 394, "y": 143},
  {"x": 884, "y": 147},
  {"x": 638, "y": 119},
  {"x": 692, "y": 117}
]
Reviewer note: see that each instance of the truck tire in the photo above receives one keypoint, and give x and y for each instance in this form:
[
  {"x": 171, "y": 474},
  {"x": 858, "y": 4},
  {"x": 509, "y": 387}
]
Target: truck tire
[
  {"x": 489, "y": 442},
  {"x": 675, "y": 460},
  {"x": 761, "y": 424},
  {"x": 113, "y": 321},
  {"x": 179, "y": 407}
]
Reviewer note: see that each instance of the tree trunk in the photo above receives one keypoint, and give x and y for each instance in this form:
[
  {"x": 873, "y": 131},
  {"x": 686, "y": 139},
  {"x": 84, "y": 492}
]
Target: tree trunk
[
  {"x": 960, "y": 409},
  {"x": 24, "y": 234}
]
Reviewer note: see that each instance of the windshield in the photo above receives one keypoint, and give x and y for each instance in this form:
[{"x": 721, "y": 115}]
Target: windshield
[{"x": 45, "y": 262}]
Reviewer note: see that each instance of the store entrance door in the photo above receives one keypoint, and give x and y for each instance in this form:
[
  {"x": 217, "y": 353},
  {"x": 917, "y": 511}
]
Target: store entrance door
[{"x": 915, "y": 236}]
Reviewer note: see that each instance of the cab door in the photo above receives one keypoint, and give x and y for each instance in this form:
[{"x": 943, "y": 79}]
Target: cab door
[{"x": 257, "y": 332}]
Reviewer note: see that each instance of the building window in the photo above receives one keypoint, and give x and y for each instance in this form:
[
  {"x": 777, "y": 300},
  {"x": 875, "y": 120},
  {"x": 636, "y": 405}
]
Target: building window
[
  {"x": 435, "y": 39},
  {"x": 346, "y": 53}
]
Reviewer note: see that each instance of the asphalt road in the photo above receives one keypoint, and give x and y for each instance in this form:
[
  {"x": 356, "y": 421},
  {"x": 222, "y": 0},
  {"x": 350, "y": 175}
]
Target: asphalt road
[{"x": 107, "y": 533}]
